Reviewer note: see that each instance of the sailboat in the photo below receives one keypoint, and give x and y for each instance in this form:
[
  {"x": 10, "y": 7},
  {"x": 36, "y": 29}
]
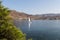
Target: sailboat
[
  {"x": 29, "y": 24},
  {"x": 29, "y": 19}
]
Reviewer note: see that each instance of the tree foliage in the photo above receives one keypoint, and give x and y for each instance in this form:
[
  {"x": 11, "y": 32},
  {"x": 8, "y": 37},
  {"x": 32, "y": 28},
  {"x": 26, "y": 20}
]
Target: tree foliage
[{"x": 7, "y": 30}]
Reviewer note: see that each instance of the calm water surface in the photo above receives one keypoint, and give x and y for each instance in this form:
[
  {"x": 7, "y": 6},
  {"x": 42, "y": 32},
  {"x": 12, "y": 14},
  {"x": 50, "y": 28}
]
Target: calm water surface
[{"x": 40, "y": 29}]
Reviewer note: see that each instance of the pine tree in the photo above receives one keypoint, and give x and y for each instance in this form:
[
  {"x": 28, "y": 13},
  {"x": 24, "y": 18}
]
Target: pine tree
[{"x": 7, "y": 30}]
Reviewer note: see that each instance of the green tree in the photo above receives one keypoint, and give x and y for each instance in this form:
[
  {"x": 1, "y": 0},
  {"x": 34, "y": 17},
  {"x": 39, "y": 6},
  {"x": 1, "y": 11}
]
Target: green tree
[{"x": 7, "y": 30}]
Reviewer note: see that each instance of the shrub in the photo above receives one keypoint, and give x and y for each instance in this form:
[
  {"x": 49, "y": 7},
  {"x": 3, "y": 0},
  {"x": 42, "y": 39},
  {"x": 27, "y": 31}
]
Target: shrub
[{"x": 7, "y": 30}]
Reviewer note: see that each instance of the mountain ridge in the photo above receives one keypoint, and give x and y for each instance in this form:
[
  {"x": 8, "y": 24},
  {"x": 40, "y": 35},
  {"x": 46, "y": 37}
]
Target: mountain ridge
[{"x": 21, "y": 15}]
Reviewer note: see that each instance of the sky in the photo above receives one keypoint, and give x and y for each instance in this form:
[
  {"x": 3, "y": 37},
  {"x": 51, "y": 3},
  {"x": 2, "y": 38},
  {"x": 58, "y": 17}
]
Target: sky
[{"x": 33, "y": 6}]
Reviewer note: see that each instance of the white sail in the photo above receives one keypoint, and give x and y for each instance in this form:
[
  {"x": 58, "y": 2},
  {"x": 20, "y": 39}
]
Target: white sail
[{"x": 29, "y": 19}]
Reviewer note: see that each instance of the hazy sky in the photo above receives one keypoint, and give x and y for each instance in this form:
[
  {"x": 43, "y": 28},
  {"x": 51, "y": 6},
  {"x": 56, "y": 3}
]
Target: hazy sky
[{"x": 34, "y": 6}]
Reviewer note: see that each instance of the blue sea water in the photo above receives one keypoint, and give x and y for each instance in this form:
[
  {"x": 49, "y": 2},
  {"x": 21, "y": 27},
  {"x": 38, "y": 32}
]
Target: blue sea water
[{"x": 40, "y": 29}]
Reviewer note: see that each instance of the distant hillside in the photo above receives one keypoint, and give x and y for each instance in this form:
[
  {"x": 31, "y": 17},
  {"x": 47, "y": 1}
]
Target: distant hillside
[
  {"x": 21, "y": 15},
  {"x": 51, "y": 16},
  {"x": 18, "y": 15}
]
